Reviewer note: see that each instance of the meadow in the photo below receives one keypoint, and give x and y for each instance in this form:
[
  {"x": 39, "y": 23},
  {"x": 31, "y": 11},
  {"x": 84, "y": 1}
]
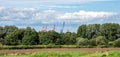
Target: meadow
[{"x": 65, "y": 54}]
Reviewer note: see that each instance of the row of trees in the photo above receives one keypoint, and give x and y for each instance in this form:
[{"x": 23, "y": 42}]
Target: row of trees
[
  {"x": 11, "y": 35},
  {"x": 92, "y": 34},
  {"x": 99, "y": 34},
  {"x": 111, "y": 31}
]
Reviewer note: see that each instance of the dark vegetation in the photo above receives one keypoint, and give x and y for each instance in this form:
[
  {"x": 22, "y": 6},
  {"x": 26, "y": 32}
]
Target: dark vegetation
[{"x": 92, "y": 35}]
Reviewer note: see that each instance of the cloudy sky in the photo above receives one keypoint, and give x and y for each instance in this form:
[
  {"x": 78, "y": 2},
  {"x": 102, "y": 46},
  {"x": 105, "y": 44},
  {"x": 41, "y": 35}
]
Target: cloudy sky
[{"x": 41, "y": 13}]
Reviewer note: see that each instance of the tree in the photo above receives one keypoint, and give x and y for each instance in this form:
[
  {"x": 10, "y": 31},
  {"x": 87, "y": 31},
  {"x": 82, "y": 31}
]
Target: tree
[
  {"x": 110, "y": 31},
  {"x": 30, "y": 37},
  {"x": 6, "y": 30},
  {"x": 50, "y": 37},
  {"x": 2, "y": 32},
  {"x": 9, "y": 29},
  {"x": 69, "y": 38},
  {"x": 14, "y": 38},
  {"x": 81, "y": 32},
  {"x": 93, "y": 30}
]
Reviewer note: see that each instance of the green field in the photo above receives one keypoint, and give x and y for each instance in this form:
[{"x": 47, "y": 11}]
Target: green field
[{"x": 66, "y": 54}]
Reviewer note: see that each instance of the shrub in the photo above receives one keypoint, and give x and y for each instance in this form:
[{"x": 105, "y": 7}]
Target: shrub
[
  {"x": 116, "y": 43},
  {"x": 82, "y": 42},
  {"x": 92, "y": 42},
  {"x": 100, "y": 40}
]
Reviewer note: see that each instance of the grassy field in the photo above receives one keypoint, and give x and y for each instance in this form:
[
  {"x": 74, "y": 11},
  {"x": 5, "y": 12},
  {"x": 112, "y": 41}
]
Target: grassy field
[{"x": 65, "y": 54}]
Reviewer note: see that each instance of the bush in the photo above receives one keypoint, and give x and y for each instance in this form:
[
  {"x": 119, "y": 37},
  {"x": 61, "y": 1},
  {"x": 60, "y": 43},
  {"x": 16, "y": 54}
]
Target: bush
[
  {"x": 100, "y": 40},
  {"x": 92, "y": 42},
  {"x": 82, "y": 42},
  {"x": 116, "y": 43}
]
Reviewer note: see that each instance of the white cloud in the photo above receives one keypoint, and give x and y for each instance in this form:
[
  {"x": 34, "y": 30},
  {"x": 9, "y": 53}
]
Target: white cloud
[
  {"x": 33, "y": 16},
  {"x": 58, "y": 6},
  {"x": 86, "y": 15}
]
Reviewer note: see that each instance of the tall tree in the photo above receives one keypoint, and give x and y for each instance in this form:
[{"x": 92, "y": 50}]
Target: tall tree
[
  {"x": 30, "y": 37},
  {"x": 110, "y": 31},
  {"x": 69, "y": 38},
  {"x": 14, "y": 38},
  {"x": 81, "y": 32},
  {"x": 50, "y": 37}
]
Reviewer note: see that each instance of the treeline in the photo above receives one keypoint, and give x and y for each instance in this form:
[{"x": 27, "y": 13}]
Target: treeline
[{"x": 92, "y": 35}]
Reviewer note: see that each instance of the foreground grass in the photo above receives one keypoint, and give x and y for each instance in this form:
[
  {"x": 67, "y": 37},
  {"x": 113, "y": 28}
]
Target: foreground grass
[
  {"x": 14, "y": 55},
  {"x": 67, "y": 54}
]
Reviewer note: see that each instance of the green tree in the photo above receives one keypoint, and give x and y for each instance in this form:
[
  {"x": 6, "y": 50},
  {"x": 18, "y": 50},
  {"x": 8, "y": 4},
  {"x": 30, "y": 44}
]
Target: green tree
[
  {"x": 6, "y": 30},
  {"x": 2, "y": 32},
  {"x": 9, "y": 29},
  {"x": 110, "y": 31},
  {"x": 50, "y": 37},
  {"x": 81, "y": 32},
  {"x": 69, "y": 38},
  {"x": 14, "y": 38},
  {"x": 30, "y": 37},
  {"x": 93, "y": 30}
]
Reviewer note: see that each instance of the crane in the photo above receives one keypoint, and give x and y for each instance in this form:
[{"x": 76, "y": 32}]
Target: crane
[
  {"x": 63, "y": 27},
  {"x": 54, "y": 28}
]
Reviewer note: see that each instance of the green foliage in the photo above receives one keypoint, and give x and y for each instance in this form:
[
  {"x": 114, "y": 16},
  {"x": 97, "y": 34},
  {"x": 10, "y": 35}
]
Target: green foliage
[
  {"x": 93, "y": 30},
  {"x": 50, "y": 37},
  {"x": 2, "y": 32},
  {"x": 116, "y": 43},
  {"x": 69, "y": 38},
  {"x": 14, "y": 38},
  {"x": 30, "y": 37},
  {"x": 110, "y": 31},
  {"x": 81, "y": 32},
  {"x": 92, "y": 42},
  {"x": 82, "y": 42},
  {"x": 100, "y": 40},
  {"x": 8, "y": 29},
  {"x": 97, "y": 35}
]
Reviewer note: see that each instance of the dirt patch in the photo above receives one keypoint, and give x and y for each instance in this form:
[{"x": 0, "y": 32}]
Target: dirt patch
[{"x": 29, "y": 51}]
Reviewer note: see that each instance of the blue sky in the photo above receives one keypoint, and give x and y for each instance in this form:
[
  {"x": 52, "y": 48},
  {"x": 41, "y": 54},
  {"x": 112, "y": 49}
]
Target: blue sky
[{"x": 41, "y": 13}]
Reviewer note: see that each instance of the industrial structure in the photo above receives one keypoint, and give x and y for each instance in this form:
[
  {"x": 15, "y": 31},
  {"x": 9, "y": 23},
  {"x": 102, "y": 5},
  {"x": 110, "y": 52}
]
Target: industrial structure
[{"x": 44, "y": 28}]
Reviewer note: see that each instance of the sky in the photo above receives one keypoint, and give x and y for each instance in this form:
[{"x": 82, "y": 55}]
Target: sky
[{"x": 41, "y": 13}]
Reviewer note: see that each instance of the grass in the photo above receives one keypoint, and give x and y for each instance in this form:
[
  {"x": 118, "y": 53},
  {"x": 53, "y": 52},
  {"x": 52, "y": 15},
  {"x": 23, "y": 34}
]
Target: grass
[
  {"x": 67, "y": 54},
  {"x": 36, "y": 46},
  {"x": 14, "y": 55}
]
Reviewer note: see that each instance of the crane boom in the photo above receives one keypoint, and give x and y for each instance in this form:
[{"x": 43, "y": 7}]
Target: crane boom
[{"x": 63, "y": 27}]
